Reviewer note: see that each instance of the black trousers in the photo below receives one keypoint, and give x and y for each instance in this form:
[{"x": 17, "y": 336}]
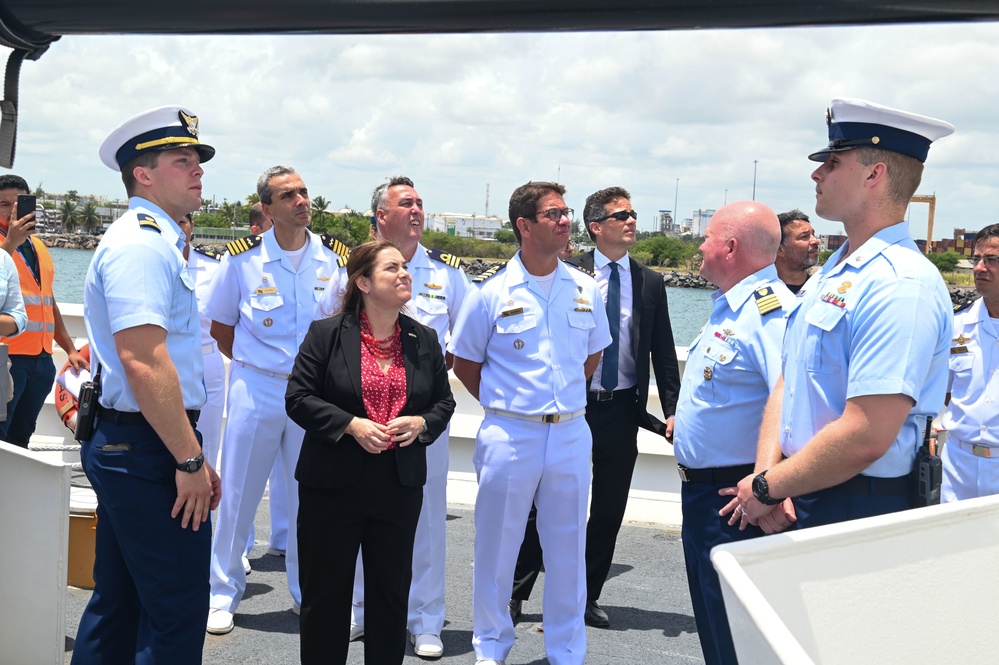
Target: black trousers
[
  {"x": 380, "y": 514},
  {"x": 614, "y": 426}
]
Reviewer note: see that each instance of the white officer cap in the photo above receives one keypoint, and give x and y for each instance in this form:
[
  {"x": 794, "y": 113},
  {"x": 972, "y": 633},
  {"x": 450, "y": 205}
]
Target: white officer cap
[
  {"x": 854, "y": 123},
  {"x": 163, "y": 128}
]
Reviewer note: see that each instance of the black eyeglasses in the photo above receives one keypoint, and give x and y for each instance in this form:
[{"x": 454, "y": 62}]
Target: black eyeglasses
[
  {"x": 555, "y": 214},
  {"x": 621, "y": 216},
  {"x": 991, "y": 260}
]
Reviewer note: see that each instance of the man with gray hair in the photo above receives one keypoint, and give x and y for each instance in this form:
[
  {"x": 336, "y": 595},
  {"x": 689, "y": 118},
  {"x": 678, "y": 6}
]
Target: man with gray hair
[
  {"x": 732, "y": 366},
  {"x": 439, "y": 287},
  {"x": 798, "y": 250},
  {"x": 261, "y": 301}
]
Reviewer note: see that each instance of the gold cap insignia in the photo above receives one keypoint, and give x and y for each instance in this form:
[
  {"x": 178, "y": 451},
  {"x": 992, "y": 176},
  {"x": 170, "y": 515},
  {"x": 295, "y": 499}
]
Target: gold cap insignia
[
  {"x": 875, "y": 140},
  {"x": 192, "y": 123}
]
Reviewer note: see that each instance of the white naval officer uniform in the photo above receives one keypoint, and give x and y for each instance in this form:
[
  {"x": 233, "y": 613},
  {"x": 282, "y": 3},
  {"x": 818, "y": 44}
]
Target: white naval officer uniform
[
  {"x": 971, "y": 454},
  {"x": 439, "y": 287},
  {"x": 271, "y": 304},
  {"x": 532, "y": 345},
  {"x": 202, "y": 262}
]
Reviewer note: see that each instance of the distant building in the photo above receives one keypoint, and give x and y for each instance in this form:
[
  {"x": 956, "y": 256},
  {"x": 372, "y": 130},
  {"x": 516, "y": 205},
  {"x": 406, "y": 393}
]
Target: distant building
[
  {"x": 699, "y": 222},
  {"x": 461, "y": 224}
]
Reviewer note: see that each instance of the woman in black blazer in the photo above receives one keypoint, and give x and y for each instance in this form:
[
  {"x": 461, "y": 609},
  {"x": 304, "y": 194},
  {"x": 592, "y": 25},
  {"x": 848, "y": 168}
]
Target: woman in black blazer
[{"x": 371, "y": 390}]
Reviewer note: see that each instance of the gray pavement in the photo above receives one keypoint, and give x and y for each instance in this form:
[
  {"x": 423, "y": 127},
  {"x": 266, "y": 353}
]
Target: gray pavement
[{"x": 646, "y": 599}]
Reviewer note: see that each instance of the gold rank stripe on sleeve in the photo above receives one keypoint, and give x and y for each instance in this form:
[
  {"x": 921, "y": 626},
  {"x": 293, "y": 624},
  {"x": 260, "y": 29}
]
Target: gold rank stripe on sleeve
[
  {"x": 337, "y": 246},
  {"x": 240, "y": 245},
  {"x": 147, "y": 222},
  {"x": 445, "y": 258},
  {"x": 489, "y": 273},
  {"x": 766, "y": 300}
]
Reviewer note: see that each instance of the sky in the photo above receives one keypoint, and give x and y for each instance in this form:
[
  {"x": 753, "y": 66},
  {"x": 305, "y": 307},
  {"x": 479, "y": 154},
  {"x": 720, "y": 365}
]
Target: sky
[{"x": 686, "y": 117}]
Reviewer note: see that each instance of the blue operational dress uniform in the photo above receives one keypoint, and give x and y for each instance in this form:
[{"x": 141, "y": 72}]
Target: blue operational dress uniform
[
  {"x": 533, "y": 445},
  {"x": 876, "y": 322},
  {"x": 439, "y": 287},
  {"x": 971, "y": 454},
  {"x": 258, "y": 290},
  {"x": 203, "y": 262},
  {"x": 151, "y": 575},
  {"x": 732, "y": 366}
]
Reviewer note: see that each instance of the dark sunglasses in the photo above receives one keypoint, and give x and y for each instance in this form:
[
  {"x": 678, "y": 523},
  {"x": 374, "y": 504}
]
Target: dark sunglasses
[{"x": 621, "y": 216}]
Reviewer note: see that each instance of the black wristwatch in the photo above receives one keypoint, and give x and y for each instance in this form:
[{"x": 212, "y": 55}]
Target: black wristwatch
[
  {"x": 761, "y": 490},
  {"x": 192, "y": 465}
]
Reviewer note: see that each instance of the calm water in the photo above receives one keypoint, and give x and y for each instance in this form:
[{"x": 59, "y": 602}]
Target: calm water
[{"x": 688, "y": 308}]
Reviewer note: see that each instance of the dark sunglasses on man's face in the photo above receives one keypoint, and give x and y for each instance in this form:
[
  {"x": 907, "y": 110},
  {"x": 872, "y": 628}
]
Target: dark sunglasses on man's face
[{"x": 621, "y": 216}]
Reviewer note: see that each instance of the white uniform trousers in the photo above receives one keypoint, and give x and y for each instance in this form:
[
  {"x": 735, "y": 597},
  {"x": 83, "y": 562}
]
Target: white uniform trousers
[
  {"x": 277, "y": 491},
  {"x": 965, "y": 475},
  {"x": 210, "y": 421},
  {"x": 257, "y": 431},
  {"x": 277, "y": 501},
  {"x": 518, "y": 462},
  {"x": 426, "y": 593}
]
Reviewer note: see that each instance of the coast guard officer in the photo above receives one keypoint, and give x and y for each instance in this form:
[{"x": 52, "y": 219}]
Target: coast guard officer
[
  {"x": 154, "y": 489},
  {"x": 439, "y": 287},
  {"x": 262, "y": 300},
  {"x": 732, "y": 366},
  {"x": 971, "y": 455},
  {"x": 865, "y": 356},
  {"x": 524, "y": 345}
]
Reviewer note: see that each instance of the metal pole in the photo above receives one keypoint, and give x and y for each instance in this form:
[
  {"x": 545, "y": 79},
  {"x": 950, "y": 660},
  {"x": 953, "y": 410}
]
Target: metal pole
[
  {"x": 754, "y": 179},
  {"x": 676, "y": 211}
]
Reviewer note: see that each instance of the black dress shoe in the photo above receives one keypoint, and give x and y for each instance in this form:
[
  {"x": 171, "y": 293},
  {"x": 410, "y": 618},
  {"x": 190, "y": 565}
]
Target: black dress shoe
[
  {"x": 594, "y": 616},
  {"x": 514, "y": 607}
]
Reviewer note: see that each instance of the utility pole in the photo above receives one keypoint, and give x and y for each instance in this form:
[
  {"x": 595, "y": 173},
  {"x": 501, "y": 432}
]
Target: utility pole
[
  {"x": 487, "y": 199},
  {"x": 754, "y": 179}
]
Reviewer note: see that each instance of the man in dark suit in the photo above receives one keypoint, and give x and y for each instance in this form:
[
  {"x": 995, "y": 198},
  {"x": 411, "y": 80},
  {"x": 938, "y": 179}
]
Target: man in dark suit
[{"x": 617, "y": 399}]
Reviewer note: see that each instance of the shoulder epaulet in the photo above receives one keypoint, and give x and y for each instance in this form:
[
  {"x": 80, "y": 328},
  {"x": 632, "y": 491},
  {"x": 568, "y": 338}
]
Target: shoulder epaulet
[
  {"x": 585, "y": 271},
  {"x": 336, "y": 245},
  {"x": 210, "y": 252},
  {"x": 148, "y": 222},
  {"x": 766, "y": 300},
  {"x": 444, "y": 257},
  {"x": 242, "y": 244},
  {"x": 492, "y": 270},
  {"x": 962, "y": 305}
]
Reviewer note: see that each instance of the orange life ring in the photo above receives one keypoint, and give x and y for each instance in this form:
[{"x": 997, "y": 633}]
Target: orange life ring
[{"x": 64, "y": 401}]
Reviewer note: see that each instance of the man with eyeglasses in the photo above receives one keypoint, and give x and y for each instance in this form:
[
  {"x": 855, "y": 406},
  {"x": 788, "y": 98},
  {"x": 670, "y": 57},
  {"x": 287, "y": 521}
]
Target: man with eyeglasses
[
  {"x": 524, "y": 345},
  {"x": 866, "y": 349},
  {"x": 798, "y": 250},
  {"x": 616, "y": 402},
  {"x": 972, "y": 417}
]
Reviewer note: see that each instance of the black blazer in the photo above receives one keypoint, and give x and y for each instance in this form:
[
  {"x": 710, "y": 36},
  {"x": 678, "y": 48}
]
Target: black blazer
[
  {"x": 324, "y": 395},
  {"x": 651, "y": 335}
]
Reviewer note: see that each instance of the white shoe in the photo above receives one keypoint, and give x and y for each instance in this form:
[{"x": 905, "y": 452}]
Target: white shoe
[
  {"x": 246, "y": 565},
  {"x": 356, "y": 632},
  {"x": 490, "y": 662},
  {"x": 219, "y": 622},
  {"x": 273, "y": 551},
  {"x": 427, "y": 645}
]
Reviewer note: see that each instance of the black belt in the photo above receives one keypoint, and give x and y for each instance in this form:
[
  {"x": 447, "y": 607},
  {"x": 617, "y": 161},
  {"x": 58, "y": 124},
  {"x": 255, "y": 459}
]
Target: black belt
[
  {"x": 870, "y": 485},
  {"x": 136, "y": 418},
  {"x": 718, "y": 474},
  {"x": 608, "y": 395}
]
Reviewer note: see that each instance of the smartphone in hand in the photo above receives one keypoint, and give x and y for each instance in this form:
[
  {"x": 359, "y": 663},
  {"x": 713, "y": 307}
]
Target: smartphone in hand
[{"x": 26, "y": 204}]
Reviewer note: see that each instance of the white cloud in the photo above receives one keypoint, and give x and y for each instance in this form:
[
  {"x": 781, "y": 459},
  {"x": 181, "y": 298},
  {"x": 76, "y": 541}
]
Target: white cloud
[{"x": 454, "y": 112}]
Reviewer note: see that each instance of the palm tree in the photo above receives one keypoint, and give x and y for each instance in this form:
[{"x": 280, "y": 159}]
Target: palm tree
[
  {"x": 319, "y": 208},
  {"x": 90, "y": 220},
  {"x": 68, "y": 215},
  {"x": 252, "y": 198}
]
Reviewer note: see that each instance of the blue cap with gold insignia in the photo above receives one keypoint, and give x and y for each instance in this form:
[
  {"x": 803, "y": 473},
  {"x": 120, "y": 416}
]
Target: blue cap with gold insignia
[
  {"x": 855, "y": 123},
  {"x": 163, "y": 128}
]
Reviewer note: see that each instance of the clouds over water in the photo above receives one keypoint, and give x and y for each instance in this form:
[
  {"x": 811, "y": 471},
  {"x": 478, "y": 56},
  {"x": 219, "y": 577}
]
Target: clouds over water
[{"x": 455, "y": 112}]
